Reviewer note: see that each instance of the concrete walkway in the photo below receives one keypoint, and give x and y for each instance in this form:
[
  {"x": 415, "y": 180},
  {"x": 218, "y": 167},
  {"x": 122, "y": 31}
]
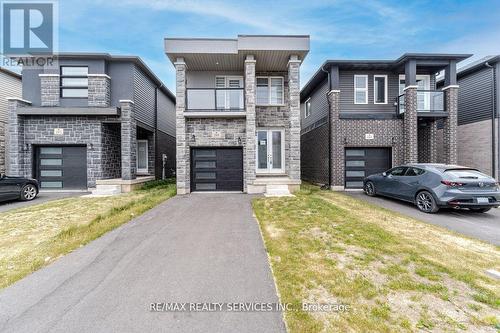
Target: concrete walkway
[{"x": 196, "y": 248}]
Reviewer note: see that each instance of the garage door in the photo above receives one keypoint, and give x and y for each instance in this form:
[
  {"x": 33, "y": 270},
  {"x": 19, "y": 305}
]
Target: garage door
[
  {"x": 362, "y": 162},
  {"x": 216, "y": 169},
  {"x": 62, "y": 167}
]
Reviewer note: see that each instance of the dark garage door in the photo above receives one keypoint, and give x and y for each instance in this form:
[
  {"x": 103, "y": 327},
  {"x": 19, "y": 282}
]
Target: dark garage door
[
  {"x": 362, "y": 162},
  {"x": 216, "y": 169},
  {"x": 61, "y": 167}
]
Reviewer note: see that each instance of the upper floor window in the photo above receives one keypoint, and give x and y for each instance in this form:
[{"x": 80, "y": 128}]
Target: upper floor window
[
  {"x": 360, "y": 89},
  {"x": 74, "y": 81},
  {"x": 308, "y": 108},
  {"x": 270, "y": 90},
  {"x": 380, "y": 89}
]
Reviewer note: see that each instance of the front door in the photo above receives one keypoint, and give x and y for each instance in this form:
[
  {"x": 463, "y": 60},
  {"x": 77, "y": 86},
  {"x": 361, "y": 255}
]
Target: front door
[
  {"x": 270, "y": 151},
  {"x": 142, "y": 156}
]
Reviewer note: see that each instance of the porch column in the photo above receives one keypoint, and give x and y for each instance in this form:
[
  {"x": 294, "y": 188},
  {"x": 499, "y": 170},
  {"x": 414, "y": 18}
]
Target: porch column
[
  {"x": 129, "y": 140},
  {"x": 450, "y": 125},
  {"x": 294, "y": 117},
  {"x": 250, "y": 147},
  {"x": 182, "y": 154},
  {"x": 14, "y": 140},
  {"x": 410, "y": 115}
]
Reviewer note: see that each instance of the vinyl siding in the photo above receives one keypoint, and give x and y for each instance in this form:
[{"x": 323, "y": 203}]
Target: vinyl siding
[
  {"x": 475, "y": 98},
  {"x": 144, "y": 98},
  {"x": 9, "y": 87},
  {"x": 166, "y": 114},
  {"x": 319, "y": 105}
]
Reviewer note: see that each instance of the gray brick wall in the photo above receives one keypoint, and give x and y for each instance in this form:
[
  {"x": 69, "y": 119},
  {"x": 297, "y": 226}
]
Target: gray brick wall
[
  {"x": 450, "y": 126},
  {"x": 410, "y": 126},
  {"x": 50, "y": 92},
  {"x": 99, "y": 90},
  {"x": 314, "y": 155}
]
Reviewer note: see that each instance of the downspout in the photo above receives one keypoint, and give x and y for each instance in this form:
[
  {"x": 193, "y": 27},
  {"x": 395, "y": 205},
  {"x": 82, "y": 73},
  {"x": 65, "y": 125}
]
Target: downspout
[
  {"x": 493, "y": 116},
  {"x": 329, "y": 129}
]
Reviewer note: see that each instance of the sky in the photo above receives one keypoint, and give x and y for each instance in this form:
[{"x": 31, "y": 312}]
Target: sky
[{"x": 339, "y": 29}]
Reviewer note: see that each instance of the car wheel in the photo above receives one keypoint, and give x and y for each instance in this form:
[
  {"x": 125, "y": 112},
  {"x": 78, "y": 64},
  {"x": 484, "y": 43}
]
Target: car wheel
[
  {"x": 480, "y": 210},
  {"x": 426, "y": 203},
  {"x": 370, "y": 189},
  {"x": 28, "y": 192}
]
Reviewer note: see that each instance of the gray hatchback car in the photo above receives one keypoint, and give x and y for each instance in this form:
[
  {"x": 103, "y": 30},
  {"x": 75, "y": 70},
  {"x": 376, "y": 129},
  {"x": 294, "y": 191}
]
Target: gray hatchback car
[{"x": 434, "y": 186}]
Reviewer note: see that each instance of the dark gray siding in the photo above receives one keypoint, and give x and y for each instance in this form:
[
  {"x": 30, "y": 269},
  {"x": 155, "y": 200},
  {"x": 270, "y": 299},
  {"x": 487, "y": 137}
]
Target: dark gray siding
[
  {"x": 31, "y": 85},
  {"x": 475, "y": 97},
  {"x": 144, "y": 98},
  {"x": 166, "y": 145},
  {"x": 166, "y": 114},
  {"x": 122, "y": 84},
  {"x": 319, "y": 105},
  {"x": 314, "y": 155}
]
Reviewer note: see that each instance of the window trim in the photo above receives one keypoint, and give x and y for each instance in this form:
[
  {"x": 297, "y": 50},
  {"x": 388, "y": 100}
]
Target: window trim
[
  {"x": 269, "y": 90},
  {"x": 307, "y": 110},
  {"x": 140, "y": 170},
  {"x": 61, "y": 77},
  {"x": 386, "y": 84},
  {"x": 365, "y": 90}
]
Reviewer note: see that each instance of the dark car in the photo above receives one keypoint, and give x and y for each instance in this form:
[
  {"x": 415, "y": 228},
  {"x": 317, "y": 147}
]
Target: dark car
[
  {"x": 434, "y": 186},
  {"x": 12, "y": 188}
]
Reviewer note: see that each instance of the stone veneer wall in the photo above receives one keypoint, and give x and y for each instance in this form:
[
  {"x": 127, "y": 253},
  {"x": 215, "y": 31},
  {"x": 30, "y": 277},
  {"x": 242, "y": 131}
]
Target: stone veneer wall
[
  {"x": 50, "y": 90},
  {"x": 99, "y": 90},
  {"x": 111, "y": 151}
]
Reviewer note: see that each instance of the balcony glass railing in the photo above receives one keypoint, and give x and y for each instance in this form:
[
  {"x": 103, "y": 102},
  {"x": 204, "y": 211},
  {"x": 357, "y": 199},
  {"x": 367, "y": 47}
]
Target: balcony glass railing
[
  {"x": 215, "y": 99},
  {"x": 427, "y": 101}
]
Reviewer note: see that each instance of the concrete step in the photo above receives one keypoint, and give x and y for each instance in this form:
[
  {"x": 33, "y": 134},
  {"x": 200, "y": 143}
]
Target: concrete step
[
  {"x": 107, "y": 189},
  {"x": 273, "y": 190},
  {"x": 283, "y": 180}
]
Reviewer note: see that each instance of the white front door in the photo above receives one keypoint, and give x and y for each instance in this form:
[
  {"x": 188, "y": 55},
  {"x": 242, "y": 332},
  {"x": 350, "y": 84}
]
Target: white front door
[
  {"x": 142, "y": 156},
  {"x": 270, "y": 151}
]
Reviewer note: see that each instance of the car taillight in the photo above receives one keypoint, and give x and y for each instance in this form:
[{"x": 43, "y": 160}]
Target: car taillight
[{"x": 451, "y": 184}]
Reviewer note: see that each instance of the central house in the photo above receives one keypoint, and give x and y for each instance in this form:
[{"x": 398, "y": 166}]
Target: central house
[{"x": 238, "y": 113}]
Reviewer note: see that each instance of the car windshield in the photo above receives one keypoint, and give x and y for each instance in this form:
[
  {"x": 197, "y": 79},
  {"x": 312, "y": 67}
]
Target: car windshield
[{"x": 466, "y": 174}]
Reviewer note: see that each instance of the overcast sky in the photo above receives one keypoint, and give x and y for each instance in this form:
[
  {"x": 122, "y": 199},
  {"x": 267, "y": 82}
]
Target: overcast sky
[{"x": 339, "y": 29}]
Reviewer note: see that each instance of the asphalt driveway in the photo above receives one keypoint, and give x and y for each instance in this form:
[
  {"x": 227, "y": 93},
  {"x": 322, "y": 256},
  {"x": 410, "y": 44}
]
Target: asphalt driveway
[
  {"x": 481, "y": 226},
  {"x": 195, "y": 248}
]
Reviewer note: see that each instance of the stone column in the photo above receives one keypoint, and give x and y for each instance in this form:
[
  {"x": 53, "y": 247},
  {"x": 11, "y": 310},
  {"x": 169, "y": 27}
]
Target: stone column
[
  {"x": 129, "y": 140},
  {"x": 250, "y": 147},
  {"x": 337, "y": 144},
  {"x": 49, "y": 89},
  {"x": 450, "y": 125},
  {"x": 182, "y": 155},
  {"x": 99, "y": 90},
  {"x": 14, "y": 140},
  {"x": 294, "y": 117},
  {"x": 410, "y": 125}
]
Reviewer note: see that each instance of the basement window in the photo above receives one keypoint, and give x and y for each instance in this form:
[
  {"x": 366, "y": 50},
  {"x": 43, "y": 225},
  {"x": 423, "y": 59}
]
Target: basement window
[{"x": 74, "y": 81}]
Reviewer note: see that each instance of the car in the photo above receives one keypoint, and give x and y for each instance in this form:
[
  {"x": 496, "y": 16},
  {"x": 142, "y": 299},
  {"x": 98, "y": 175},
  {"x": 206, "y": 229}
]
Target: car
[
  {"x": 12, "y": 188},
  {"x": 434, "y": 186}
]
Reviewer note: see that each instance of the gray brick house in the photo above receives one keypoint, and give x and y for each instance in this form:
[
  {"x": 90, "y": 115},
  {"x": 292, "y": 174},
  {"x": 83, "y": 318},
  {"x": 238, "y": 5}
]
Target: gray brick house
[
  {"x": 10, "y": 86},
  {"x": 360, "y": 117},
  {"x": 238, "y": 112},
  {"x": 478, "y": 105},
  {"x": 91, "y": 120}
]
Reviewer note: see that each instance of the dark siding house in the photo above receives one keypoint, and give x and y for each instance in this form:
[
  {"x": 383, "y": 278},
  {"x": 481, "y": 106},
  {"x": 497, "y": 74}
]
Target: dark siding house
[
  {"x": 360, "y": 117},
  {"x": 92, "y": 120},
  {"x": 478, "y": 105}
]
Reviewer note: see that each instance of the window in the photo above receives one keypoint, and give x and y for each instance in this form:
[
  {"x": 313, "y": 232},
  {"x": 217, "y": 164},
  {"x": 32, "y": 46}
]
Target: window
[
  {"x": 360, "y": 89},
  {"x": 380, "y": 89},
  {"x": 270, "y": 90},
  {"x": 229, "y": 92},
  {"x": 142, "y": 156},
  {"x": 412, "y": 172},
  {"x": 397, "y": 171},
  {"x": 308, "y": 108},
  {"x": 74, "y": 82}
]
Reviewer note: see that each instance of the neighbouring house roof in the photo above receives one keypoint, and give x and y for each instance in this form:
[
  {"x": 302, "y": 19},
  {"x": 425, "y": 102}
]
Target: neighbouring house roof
[
  {"x": 474, "y": 66},
  {"x": 128, "y": 58},
  {"x": 11, "y": 73},
  {"x": 436, "y": 61},
  {"x": 272, "y": 52}
]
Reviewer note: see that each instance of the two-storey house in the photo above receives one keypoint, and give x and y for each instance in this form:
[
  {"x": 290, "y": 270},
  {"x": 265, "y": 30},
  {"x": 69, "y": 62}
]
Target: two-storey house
[
  {"x": 238, "y": 113},
  {"x": 361, "y": 117},
  {"x": 478, "y": 112},
  {"x": 91, "y": 120},
  {"x": 10, "y": 86}
]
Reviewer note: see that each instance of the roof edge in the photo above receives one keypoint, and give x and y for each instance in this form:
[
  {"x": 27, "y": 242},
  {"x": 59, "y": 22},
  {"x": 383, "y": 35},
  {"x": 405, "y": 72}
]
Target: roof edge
[{"x": 11, "y": 73}]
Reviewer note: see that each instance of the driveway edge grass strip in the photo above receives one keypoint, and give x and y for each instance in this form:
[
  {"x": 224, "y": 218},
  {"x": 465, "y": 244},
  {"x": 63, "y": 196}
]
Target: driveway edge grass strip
[{"x": 78, "y": 235}]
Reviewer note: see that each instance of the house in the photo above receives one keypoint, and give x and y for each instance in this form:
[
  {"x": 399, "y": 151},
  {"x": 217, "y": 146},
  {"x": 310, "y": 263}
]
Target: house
[
  {"x": 360, "y": 117},
  {"x": 238, "y": 112},
  {"x": 478, "y": 109},
  {"x": 10, "y": 86},
  {"x": 91, "y": 120}
]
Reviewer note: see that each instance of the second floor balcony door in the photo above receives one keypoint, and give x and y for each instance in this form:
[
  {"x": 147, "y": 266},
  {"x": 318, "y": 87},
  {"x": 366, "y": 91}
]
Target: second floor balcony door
[
  {"x": 424, "y": 85},
  {"x": 229, "y": 92}
]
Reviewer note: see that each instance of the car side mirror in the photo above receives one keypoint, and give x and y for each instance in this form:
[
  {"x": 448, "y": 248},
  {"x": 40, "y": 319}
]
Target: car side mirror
[{"x": 384, "y": 174}]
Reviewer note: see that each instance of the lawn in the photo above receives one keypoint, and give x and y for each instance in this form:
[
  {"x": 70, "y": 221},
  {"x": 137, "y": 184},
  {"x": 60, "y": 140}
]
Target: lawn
[
  {"x": 33, "y": 237},
  {"x": 395, "y": 273}
]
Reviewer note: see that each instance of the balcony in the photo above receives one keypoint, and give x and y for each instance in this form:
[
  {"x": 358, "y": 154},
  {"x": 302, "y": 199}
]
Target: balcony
[
  {"x": 430, "y": 103},
  {"x": 216, "y": 102}
]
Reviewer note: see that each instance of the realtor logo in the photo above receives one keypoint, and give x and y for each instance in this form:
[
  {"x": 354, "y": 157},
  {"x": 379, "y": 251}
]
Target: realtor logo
[{"x": 28, "y": 27}]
